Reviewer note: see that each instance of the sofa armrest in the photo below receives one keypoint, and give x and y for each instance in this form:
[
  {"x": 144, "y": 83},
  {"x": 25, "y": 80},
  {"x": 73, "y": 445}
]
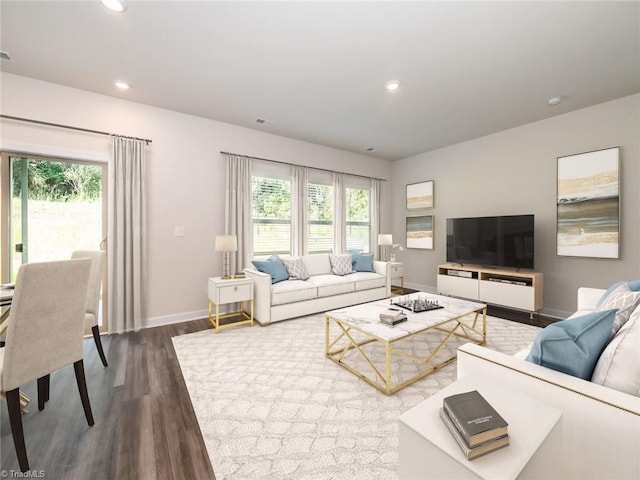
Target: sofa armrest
[
  {"x": 384, "y": 268},
  {"x": 588, "y": 298},
  {"x": 477, "y": 360},
  {"x": 589, "y": 412},
  {"x": 261, "y": 295}
]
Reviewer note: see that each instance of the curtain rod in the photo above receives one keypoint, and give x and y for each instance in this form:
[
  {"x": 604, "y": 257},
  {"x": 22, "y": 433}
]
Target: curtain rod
[
  {"x": 49, "y": 124},
  {"x": 296, "y": 165}
]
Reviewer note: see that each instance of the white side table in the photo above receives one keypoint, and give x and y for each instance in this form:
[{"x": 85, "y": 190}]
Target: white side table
[
  {"x": 397, "y": 271},
  {"x": 226, "y": 291},
  {"x": 428, "y": 450}
]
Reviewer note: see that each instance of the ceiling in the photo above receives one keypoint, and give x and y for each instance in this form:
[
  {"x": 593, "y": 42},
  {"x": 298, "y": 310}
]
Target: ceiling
[{"x": 316, "y": 71}]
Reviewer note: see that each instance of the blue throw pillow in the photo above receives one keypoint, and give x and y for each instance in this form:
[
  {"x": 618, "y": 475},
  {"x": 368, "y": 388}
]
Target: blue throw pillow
[
  {"x": 573, "y": 346},
  {"x": 362, "y": 263},
  {"x": 274, "y": 267},
  {"x": 633, "y": 285}
]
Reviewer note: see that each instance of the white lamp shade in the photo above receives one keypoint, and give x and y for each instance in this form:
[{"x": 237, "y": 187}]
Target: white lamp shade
[
  {"x": 385, "y": 239},
  {"x": 226, "y": 243}
]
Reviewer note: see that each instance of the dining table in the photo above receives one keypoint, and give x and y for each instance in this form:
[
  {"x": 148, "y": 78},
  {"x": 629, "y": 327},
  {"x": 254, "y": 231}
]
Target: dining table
[{"x": 6, "y": 297}]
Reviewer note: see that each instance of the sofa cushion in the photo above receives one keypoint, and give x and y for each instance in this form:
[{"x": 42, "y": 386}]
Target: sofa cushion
[
  {"x": 619, "y": 365},
  {"x": 366, "y": 280},
  {"x": 295, "y": 268},
  {"x": 292, "y": 291},
  {"x": 634, "y": 286},
  {"x": 573, "y": 346},
  {"x": 274, "y": 267},
  {"x": 341, "y": 263},
  {"x": 625, "y": 301},
  {"x": 317, "y": 264},
  {"x": 362, "y": 263},
  {"x": 329, "y": 285}
]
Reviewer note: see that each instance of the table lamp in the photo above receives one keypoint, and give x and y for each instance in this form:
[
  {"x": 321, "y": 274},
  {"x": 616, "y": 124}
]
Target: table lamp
[
  {"x": 226, "y": 244},
  {"x": 385, "y": 239}
]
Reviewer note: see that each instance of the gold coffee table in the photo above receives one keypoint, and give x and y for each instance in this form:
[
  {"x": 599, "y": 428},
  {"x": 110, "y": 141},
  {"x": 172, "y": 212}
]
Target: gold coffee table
[{"x": 359, "y": 325}]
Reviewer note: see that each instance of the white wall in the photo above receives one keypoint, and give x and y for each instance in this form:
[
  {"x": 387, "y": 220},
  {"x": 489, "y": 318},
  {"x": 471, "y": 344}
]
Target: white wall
[
  {"x": 514, "y": 172},
  {"x": 186, "y": 174},
  {"x": 509, "y": 172}
]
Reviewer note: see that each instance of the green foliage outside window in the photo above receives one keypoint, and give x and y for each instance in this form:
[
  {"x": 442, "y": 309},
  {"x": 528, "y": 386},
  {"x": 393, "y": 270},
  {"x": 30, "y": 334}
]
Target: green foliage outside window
[{"x": 57, "y": 181}]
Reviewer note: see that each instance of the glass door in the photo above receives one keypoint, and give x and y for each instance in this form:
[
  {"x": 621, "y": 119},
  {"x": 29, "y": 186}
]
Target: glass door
[{"x": 51, "y": 207}]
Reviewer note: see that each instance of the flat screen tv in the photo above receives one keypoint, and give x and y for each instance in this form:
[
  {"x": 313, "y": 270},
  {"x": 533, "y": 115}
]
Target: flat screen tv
[{"x": 504, "y": 241}]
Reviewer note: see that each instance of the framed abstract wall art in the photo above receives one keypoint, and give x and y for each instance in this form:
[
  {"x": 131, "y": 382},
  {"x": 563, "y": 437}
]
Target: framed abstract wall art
[
  {"x": 420, "y": 195},
  {"x": 420, "y": 232},
  {"x": 588, "y": 204}
]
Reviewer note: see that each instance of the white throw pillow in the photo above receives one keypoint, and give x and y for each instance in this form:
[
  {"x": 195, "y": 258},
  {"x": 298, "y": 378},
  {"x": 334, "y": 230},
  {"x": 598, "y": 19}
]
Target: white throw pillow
[
  {"x": 625, "y": 301},
  {"x": 341, "y": 263},
  {"x": 317, "y": 264},
  {"x": 619, "y": 364}
]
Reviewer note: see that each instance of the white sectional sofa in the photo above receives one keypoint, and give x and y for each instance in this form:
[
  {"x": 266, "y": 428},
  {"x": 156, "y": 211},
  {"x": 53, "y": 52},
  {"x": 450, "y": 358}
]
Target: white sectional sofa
[
  {"x": 322, "y": 291},
  {"x": 600, "y": 427}
]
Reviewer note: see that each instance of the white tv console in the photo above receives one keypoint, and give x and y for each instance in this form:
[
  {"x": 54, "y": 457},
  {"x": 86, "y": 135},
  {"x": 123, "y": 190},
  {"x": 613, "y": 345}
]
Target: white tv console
[{"x": 508, "y": 288}]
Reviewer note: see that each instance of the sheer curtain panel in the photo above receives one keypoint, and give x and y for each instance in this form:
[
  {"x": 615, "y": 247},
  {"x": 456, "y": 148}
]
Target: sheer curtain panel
[
  {"x": 299, "y": 213},
  {"x": 127, "y": 235},
  {"x": 238, "y": 220},
  {"x": 376, "y": 213},
  {"x": 339, "y": 213}
]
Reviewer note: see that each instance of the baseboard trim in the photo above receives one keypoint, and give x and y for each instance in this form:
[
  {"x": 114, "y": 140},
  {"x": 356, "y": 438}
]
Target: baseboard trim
[{"x": 176, "y": 318}]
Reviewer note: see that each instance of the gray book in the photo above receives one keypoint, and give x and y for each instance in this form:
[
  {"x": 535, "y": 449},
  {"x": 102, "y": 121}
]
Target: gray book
[
  {"x": 476, "y": 420},
  {"x": 478, "y": 451}
]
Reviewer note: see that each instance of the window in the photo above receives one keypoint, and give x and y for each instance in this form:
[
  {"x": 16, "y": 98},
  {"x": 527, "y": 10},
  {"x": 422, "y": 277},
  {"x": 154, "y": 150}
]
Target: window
[
  {"x": 49, "y": 208},
  {"x": 271, "y": 213},
  {"x": 273, "y": 205},
  {"x": 320, "y": 218},
  {"x": 358, "y": 216}
]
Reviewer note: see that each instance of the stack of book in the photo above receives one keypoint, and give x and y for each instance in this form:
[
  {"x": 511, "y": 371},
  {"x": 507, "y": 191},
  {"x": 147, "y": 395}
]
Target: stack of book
[
  {"x": 392, "y": 317},
  {"x": 474, "y": 423}
]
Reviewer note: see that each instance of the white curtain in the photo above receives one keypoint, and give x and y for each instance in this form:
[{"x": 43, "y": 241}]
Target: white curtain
[
  {"x": 376, "y": 215},
  {"x": 340, "y": 233},
  {"x": 299, "y": 213},
  {"x": 126, "y": 246},
  {"x": 238, "y": 220}
]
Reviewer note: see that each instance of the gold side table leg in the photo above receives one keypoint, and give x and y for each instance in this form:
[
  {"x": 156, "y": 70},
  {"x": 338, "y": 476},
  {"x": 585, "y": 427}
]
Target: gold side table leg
[
  {"x": 217, "y": 318},
  {"x": 251, "y": 301}
]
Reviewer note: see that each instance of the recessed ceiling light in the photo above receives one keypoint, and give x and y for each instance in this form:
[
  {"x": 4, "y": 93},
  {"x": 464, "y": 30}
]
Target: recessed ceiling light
[
  {"x": 114, "y": 5},
  {"x": 122, "y": 85},
  {"x": 553, "y": 101},
  {"x": 392, "y": 85},
  {"x": 370, "y": 149}
]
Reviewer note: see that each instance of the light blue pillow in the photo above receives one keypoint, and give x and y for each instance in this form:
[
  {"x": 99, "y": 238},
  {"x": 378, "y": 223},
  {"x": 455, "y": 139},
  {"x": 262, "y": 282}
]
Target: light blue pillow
[
  {"x": 362, "y": 263},
  {"x": 573, "y": 346},
  {"x": 274, "y": 267},
  {"x": 633, "y": 285}
]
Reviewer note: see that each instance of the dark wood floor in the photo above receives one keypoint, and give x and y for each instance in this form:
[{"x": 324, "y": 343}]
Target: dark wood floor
[{"x": 145, "y": 427}]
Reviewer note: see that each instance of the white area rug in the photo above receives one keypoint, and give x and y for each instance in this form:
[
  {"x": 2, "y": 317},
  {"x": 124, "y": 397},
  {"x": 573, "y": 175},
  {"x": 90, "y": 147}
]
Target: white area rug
[{"x": 271, "y": 405}]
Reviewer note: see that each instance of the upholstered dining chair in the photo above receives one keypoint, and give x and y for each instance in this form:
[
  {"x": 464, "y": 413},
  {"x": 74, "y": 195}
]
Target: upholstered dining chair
[
  {"x": 45, "y": 333},
  {"x": 98, "y": 261}
]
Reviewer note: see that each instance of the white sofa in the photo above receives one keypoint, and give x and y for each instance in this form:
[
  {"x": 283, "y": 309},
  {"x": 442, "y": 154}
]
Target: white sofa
[
  {"x": 600, "y": 427},
  {"x": 323, "y": 291}
]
